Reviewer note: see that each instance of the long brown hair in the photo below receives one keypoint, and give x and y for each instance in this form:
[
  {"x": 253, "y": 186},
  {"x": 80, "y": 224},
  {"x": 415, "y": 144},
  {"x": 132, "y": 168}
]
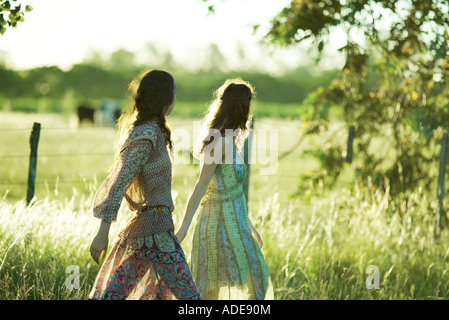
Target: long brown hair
[
  {"x": 229, "y": 110},
  {"x": 152, "y": 92}
]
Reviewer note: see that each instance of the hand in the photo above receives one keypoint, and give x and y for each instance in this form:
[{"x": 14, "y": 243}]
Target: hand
[{"x": 99, "y": 247}]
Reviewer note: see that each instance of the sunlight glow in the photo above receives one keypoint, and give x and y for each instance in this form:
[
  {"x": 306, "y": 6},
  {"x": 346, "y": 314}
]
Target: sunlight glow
[{"x": 62, "y": 32}]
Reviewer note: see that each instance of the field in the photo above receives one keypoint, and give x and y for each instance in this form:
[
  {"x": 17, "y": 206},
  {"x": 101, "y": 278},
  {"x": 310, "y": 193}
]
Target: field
[{"x": 318, "y": 245}]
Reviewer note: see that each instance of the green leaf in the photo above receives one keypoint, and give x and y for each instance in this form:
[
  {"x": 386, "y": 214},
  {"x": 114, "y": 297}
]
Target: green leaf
[
  {"x": 320, "y": 46},
  {"x": 6, "y": 5},
  {"x": 16, "y": 9},
  {"x": 210, "y": 10},
  {"x": 28, "y": 8},
  {"x": 255, "y": 28}
]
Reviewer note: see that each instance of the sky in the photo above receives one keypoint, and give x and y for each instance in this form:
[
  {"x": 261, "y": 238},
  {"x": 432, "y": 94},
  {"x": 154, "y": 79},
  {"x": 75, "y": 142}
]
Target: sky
[{"x": 63, "y": 32}]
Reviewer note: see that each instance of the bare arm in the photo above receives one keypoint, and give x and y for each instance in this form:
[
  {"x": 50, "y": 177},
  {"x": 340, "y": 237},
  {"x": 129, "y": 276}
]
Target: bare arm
[
  {"x": 207, "y": 171},
  {"x": 99, "y": 245}
]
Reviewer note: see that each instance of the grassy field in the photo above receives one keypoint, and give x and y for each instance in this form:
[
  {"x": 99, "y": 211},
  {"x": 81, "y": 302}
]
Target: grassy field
[
  {"x": 73, "y": 160},
  {"x": 67, "y": 104},
  {"x": 318, "y": 245}
]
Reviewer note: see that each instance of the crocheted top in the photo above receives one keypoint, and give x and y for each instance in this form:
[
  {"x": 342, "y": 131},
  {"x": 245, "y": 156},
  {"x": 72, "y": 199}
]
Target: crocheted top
[{"x": 142, "y": 176}]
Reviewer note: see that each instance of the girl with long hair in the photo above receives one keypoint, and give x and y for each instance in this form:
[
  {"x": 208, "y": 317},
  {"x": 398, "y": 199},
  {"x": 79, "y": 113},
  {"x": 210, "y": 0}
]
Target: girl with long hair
[
  {"x": 146, "y": 261},
  {"x": 226, "y": 260}
]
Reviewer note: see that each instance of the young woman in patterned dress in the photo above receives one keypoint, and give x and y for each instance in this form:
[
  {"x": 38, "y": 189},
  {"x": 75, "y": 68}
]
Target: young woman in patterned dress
[
  {"x": 227, "y": 261},
  {"x": 146, "y": 261}
]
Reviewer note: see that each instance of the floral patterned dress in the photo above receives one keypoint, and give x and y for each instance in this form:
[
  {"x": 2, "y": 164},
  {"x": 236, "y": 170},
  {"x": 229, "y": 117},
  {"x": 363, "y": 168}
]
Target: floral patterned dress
[
  {"x": 226, "y": 261},
  {"x": 146, "y": 261},
  {"x": 149, "y": 268}
]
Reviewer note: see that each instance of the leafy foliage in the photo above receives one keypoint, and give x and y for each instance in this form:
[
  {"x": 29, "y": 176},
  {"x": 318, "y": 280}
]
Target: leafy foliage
[
  {"x": 394, "y": 84},
  {"x": 98, "y": 78},
  {"x": 15, "y": 15}
]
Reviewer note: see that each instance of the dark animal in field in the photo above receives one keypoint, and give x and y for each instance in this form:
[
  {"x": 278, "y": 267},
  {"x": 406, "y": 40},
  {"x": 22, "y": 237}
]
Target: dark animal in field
[
  {"x": 86, "y": 114},
  {"x": 109, "y": 112}
]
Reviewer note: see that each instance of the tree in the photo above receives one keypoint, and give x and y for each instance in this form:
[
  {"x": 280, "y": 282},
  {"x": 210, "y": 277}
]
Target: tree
[
  {"x": 393, "y": 87},
  {"x": 16, "y": 14},
  {"x": 123, "y": 62}
]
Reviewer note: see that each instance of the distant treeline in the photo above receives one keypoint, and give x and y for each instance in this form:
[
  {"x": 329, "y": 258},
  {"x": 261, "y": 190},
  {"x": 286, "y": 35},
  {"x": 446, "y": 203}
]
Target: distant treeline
[{"x": 89, "y": 81}]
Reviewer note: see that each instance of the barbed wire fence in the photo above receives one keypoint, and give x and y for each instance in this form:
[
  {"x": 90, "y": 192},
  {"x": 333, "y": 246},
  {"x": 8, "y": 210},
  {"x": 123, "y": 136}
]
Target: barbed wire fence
[{"x": 31, "y": 182}]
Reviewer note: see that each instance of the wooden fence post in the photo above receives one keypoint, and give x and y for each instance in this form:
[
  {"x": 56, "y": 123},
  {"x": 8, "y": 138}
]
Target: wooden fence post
[
  {"x": 349, "y": 151},
  {"x": 246, "y": 159},
  {"x": 441, "y": 174},
  {"x": 34, "y": 140}
]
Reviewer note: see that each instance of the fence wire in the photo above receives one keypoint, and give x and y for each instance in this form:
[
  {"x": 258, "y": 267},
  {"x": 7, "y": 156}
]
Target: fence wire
[{"x": 71, "y": 155}]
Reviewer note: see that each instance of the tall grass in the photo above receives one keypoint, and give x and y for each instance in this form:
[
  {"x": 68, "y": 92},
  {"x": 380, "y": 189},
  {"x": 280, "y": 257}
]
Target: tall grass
[
  {"x": 37, "y": 244},
  {"x": 318, "y": 245},
  {"x": 323, "y": 250},
  {"x": 316, "y": 250}
]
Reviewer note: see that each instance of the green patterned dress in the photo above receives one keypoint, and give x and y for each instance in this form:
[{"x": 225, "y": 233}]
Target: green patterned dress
[{"x": 227, "y": 262}]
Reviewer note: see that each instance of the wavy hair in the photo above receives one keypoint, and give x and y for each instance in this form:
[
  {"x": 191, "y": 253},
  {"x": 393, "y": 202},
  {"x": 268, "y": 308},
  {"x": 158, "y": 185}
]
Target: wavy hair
[
  {"x": 152, "y": 92},
  {"x": 229, "y": 110}
]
